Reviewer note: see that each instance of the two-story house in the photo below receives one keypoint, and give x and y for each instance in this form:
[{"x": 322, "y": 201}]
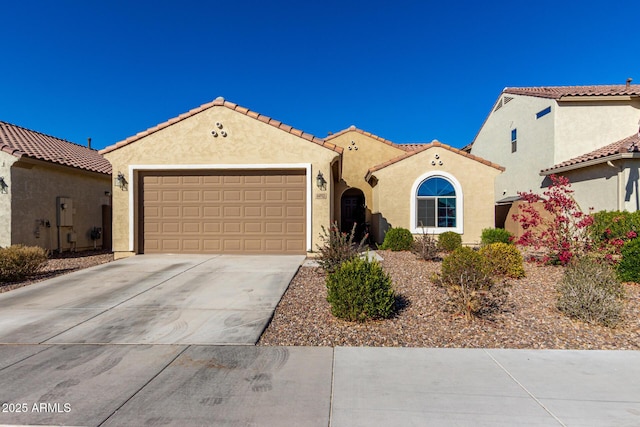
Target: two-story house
[{"x": 586, "y": 133}]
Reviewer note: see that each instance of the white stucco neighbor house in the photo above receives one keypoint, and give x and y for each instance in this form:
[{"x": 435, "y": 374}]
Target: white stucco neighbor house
[{"x": 587, "y": 133}]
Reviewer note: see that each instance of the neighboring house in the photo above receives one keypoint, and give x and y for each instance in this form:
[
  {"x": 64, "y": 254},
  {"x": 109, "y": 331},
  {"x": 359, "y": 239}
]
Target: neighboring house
[
  {"x": 224, "y": 179},
  {"x": 586, "y": 133},
  {"x": 53, "y": 193}
]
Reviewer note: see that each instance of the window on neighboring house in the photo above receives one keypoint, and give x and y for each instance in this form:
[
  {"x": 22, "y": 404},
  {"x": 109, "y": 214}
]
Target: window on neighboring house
[
  {"x": 514, "y": 140},
  {"x": 436, "y": 204},
  {"x": 544, "y": 112}
]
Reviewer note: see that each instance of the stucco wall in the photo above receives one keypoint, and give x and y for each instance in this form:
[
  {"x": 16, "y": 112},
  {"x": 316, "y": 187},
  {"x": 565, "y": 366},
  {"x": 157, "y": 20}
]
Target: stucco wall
[
  {"x": 595, "y": 187},
  {"x": 190, "y": 142},
  {"x": 6, "y": 160},
  {"x": 393, "y": 191},
  {"x": 534, "y": 140},
  {"x": 365, "y": 152},
  {"x": 34, "y": 190},
  {"x": 585, "y": 126},
  {"x": 598, "y": 186}
]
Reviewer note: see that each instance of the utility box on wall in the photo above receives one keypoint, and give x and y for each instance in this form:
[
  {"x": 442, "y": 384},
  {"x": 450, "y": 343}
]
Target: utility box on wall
[{"x": 64, "y": 211}]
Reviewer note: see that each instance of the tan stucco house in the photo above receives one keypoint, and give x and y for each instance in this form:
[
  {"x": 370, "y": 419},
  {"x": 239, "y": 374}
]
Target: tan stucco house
[
  {"x": 586, "y": 133},
  {"x": 53, "y": 193},
  {"x": 224, "y": 179}
]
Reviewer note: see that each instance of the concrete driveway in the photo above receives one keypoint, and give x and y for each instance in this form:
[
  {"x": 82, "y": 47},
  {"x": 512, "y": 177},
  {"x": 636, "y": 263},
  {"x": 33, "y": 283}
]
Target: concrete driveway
[
  {"x": 137, "y": 342},
  {"x": 151, "y": 299}
]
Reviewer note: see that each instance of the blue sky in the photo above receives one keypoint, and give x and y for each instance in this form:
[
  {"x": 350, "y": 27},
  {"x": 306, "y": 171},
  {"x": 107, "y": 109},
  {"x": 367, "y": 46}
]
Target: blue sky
[{"x": 408, "y": 71}]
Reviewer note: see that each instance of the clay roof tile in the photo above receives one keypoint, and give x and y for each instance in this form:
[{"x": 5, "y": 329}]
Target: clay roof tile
[
  {"x": 20, "y": 142},
  {"x": 220, "y": 102},
  {"x": 630, "y": 144}
]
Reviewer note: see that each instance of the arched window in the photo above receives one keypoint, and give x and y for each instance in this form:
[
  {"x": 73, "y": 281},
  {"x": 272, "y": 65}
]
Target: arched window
[{"x": 437, "y": 203}]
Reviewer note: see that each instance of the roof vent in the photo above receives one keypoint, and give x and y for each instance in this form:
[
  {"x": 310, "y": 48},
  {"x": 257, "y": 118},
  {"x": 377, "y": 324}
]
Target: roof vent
[{"x": 629, "y": 80}]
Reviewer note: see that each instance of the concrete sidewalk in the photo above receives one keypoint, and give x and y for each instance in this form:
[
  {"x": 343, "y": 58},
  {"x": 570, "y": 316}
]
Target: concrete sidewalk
[{"x": 316, "y": 386}]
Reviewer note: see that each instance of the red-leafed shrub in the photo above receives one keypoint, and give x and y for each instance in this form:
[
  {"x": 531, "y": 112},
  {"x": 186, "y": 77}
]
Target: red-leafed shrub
[{"x": 563, "y": 232}]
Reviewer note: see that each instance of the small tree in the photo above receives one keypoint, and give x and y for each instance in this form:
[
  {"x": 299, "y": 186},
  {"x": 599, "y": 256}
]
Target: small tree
[{"x": 563, "y": 233}]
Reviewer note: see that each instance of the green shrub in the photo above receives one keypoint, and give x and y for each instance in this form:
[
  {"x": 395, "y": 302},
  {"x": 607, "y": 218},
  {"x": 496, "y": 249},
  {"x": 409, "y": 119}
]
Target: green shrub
[
  {"x": 449, "y": 241},
  {"x": 18, "y": 262},
  {"x": 495, "y": 235},
  {"x": 503, "y": 259},
  {"x": 467, "y": 280},
  {"x": 360, "y": 290},
  {"x": 337, "y": 247},
  {"x": 628, "y": 268},
  {"x": 590, "y": 291},
  {"x": 398, "y": 239},
  {"x": 608, "y": 225},
  {"x": 425, "y": 247}
]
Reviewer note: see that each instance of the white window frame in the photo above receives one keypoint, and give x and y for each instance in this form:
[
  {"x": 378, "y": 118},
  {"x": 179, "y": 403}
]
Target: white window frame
[{"x": 413, "y": 217}]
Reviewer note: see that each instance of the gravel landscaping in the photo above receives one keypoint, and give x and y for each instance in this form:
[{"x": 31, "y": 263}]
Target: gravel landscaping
[
  {"x": 64, "y": 263},
  {"x": 529, "y": 320}
]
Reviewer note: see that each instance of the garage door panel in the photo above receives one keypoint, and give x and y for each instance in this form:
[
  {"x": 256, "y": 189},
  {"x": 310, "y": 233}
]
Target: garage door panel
[
  {"x": 170, "y": 212},
  {"x": 192, "y": 227},
  {"x": 212, "y": 227},
  {"x": 253, "y": 179},
  {"x": 211, "y": 195},
  {"x": 231, "y": 212},
  {"x": 253, "y": 195},
  {"x": 253, "y": 211},
  {"x": 170, "y": 227},
  {"x": 274, "y": 227},
  {"x": 171, "y": 196},
  {"x": 273, "y": 211},
  {"x": 224, "y": 212},
  {"x": 191, "y": 245},
  {"x": 294, "y": 195},
  {"x": 231, "y": 195},
  {"x": 295, "y": 212},
  {"x": 212, "y": 211},
  {"x": 295, "y": 228},
  {"x": 274, "y": 180},
  {"x": 232, "y": 179},
  {"x": 253, "y": 228},
  {"x": 191, "y": 212},
  {"x": 170, "y": 180},
  {"x": 273, "y": 196},
  {"x": 231, "y": 227},
  {"x": 191, "y": 196}
]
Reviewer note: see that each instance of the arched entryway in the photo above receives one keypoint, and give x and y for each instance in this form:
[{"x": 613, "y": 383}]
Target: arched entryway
[{"x": 353, "y": 210}]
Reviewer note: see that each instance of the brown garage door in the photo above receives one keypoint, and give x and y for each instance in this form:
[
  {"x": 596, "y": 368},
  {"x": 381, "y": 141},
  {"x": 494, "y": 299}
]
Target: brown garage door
[{"x": 224, "y": 212}]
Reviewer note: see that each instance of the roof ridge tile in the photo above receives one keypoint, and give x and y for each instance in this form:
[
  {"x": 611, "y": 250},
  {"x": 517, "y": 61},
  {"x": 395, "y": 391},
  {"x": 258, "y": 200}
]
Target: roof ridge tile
[{"x": 221, "y": 102}]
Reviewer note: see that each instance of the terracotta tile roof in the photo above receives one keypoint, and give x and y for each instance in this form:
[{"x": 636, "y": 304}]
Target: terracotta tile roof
[
  {"x": 426, "y": 147},
  {"x": 220, "y": 102},
  {"x": 360, "y": 131},
  {"x": 558, "y": 92},
  {"x": 404, "y": 147},
  {"x": 411, "y": 146},
  {"x": 630, "y": 144},
  {"x": 21, "y": 142}
]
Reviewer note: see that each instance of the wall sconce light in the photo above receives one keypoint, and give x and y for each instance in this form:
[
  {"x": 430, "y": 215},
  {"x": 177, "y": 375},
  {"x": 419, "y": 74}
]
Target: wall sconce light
[
  {"x": 4, "y": 188},
  {"x": 214, "y": 133},
  {"x": 320, "y": 181},
  {"x": 121, "y": 181},
  {"x": 219, "y": 125},
  {"x": 107, "y": 193}
]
